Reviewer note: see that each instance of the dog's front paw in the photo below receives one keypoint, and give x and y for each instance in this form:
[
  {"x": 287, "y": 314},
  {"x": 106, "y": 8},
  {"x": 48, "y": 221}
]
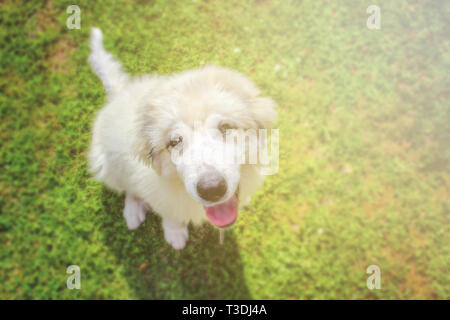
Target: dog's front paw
[
  {"x": 134, "y": 220},
  {"x": 134, "y": 212},
  {"x": 175, "y": 235}
]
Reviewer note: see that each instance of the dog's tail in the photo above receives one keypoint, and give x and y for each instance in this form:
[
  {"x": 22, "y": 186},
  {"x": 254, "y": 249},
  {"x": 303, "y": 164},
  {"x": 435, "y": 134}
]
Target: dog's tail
[{"x": 108, "y": 69}]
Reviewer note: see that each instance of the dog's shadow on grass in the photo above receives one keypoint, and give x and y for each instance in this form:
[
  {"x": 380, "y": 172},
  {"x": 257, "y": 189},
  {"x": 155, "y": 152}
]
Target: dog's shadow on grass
[{"x": 203, "y": 270}]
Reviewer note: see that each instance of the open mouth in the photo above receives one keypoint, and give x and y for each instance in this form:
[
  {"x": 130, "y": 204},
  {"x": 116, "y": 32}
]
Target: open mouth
[{"x": 223, "y": 214}]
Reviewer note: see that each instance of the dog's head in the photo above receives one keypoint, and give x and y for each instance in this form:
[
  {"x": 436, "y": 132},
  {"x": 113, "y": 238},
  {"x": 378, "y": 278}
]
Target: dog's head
[{"x": 189, "y": 128}]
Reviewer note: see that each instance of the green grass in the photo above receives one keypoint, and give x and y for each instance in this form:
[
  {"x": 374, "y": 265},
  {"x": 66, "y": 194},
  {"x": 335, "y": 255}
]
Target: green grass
[{"x": 364, "y": 173}]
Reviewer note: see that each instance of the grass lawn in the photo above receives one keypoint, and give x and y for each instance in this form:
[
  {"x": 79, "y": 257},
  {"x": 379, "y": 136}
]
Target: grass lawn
[{"x": 364, "y": 176}]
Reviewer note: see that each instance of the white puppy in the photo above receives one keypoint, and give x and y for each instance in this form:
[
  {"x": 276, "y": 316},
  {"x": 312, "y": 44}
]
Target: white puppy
[{"x": 151, "y": 124}]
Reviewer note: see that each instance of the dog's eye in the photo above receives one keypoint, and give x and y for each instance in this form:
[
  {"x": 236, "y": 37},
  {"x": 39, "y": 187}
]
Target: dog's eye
[
  {"x": 225, "y": 126},
  {"x": 174, "y": 142}
]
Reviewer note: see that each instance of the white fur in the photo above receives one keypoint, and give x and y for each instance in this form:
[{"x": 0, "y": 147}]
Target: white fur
[{"x": 144, "y": 113}]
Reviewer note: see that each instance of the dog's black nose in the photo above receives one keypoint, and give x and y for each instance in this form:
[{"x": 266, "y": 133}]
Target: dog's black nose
[{"x": 211, "y": 187}]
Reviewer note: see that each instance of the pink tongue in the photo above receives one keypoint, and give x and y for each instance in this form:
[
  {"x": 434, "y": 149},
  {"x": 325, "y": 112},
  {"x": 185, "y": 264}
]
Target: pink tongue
[{"x": 223, "y": 214}]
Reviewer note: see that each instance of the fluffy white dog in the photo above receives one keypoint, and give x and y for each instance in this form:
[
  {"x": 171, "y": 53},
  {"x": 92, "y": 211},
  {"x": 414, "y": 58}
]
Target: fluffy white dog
[{"x": 149, "y": 119}]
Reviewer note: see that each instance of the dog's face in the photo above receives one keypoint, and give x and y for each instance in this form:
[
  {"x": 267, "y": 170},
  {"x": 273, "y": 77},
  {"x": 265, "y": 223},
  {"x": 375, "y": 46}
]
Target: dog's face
[{"x": 185, "y": 130}]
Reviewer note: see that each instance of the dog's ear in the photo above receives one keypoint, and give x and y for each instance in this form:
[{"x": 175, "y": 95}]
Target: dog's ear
[
  {"x": 146, "y": 150},
  {"x": 147, "y": 153},
  {"x": 263, "y": 112}
]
